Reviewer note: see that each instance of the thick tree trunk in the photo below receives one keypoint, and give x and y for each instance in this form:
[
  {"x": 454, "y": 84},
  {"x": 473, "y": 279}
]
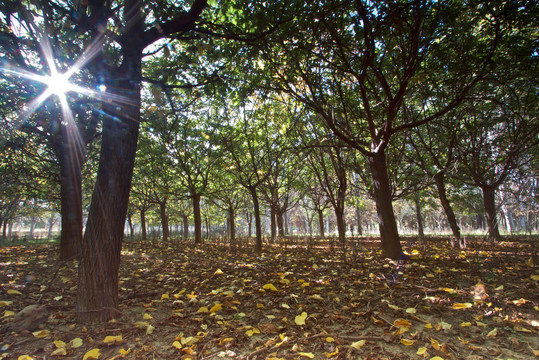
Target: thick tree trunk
[
  {"x": 164, "y": 219},
  {"x": 258, "y": 222},
  {"x": 197, "y": 219},
  {"x": 391, "y": 246},
  {"x": 489, "y": 203},
  {"x": 280, "y": 222},
  {"x": 321, "y": 222},
  {"x": 97, "y": 296},
  {"x": 451, "y": 219}
]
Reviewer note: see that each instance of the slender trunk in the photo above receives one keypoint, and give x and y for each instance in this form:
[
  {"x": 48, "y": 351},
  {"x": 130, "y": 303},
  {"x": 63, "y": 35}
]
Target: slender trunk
[
  {"x": 280, "y": 222},
  {"x": 451, "y": 219},
  {"x": 197, "y": 218},
  {"x": 341, "y": 228},
  {"x": 164, "y": 219},
  {"x": 143, "y": 224},
  {"x": 232, "y": 227},
  {"x": 51, "y": 224},
  {"x": 391, "y": 246},
  {"x": 273, "y": 222},
  {"x": 97, "y": 295},
  {"x": 258, "y": 222},
  {"x": 321, "y": 222},
  {"x": 4, "y": 228},
  {"x": 358, "y": 218},
  {"x": 185, "y": 226},
  {"x": 420, "y": 231},
  {"x": 490, "y": 211}
]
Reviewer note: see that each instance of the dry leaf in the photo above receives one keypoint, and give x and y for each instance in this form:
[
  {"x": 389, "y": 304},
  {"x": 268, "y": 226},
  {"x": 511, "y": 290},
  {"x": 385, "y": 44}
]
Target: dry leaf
[
  {"x": 75, "y": 343},
  {"x": 408, "y": 342},
  {"x": 358, "y": 344},
  {"x": 41, "y": 333},
  {"x": 269, "y": 287},
  {"x": 458, "y": 306},
  {"x": 92, "y": 354},
  {"x": 300, "y": 319},
  {"x": 493, "y": 333}
]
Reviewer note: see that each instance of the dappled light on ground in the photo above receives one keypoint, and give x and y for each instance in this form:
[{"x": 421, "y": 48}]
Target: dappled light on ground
[{"x": 178, "y": 302}]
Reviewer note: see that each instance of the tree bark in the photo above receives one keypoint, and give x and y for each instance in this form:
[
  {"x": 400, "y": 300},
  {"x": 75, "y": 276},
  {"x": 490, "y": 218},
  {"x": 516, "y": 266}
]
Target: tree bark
[
  {"x": 420, "y": 231},
  {"x": 164, "y": 219},
  {"x": 273, "y": 222},
  {"x": 358, "y": 219},
  {"x": 97, "y": 296},
  {"x": 280, "y": 222},
  {"x": 489, "y": 203},
  {"x": 232, "y": 227},
  {"x": 321, "y": 222},
  {"x": 185, "y": 227},
  {"x": 197, "y": 219},
  {"x": 391, "y": 246},
  {"x": 258, "y": 222},
  {"x": 143, "y": 224},
  {"x": 451, "y": 219}
]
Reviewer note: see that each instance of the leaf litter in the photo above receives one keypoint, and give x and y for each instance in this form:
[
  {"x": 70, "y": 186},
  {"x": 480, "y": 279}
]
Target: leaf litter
[{"x": 181, "y": 302}]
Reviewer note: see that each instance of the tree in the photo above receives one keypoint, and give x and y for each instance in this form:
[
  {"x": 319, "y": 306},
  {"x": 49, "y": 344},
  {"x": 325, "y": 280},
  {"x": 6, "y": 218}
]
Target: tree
[{"x": 356, "y": 63}]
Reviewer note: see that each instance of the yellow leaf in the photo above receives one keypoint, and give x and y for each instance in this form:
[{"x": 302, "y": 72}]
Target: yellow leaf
[
  {"x": 8, "y": 313},
  {"x": 358, "y": 344},
  {"x": 113, "y": 339},
  {"x": 59, "y": 352},
  {"x": 394, "y": 307},
  {"x": 252, "y": 331},
  {"x": 458, "y": 306},
  {"x": 329, "y": 355},
  {"x": 428, "y": 326},
  {"x": 225, "y": 341},
  {"x": 123, "y": 352},
  {"x": 421, "y": 351},
  {"x": 142, "y": 325},
  {"x": 92, "y": 354},
  {"x": 480, "y": 324},
  {"x": 308, "y": 355},
  {"x": 190, "y": 340},
  {"x": 165, "y": 296},
  {"x": 147, "y": 316},
  {"x": 216, "y": 308},
  {"x": 465, "y": 324},
  {"x": 5, "y": 303},
  {"x": 41, "y": 333},
  {"x": 177, "y": 345},
  {"x": 203, "y": 309},
  {"x": 25, "y": 357},
  {"x": 329, "y": 339},
  {"x": 305, "y": 284},
  {"x": 435, "y": 344},
  {"x": 149, "y": 329},
  {"x": 534, "y": 277},
  {"x": 519, "y": 301},
  {"x": 463, "y": 341},
  {"x": 436, "y": 358},
  {"x": 522, "y": 329},
  {"x": 14, "y": 292},
  {"x": 408, "y": 342},
  {"x": 218, "y": 272},
  {"x": 443, "y": 325},
  {"x": 269, "y": 287},
  {"x": 300, "y": 319},
  {"x": 449, "y": 290},
  {"x": 75, "y": 343},
  {"x": 411, "y": 310},
  {"x": 59, "y": 344},
  {"x": 402, "y": 323},
  {"x": 493, "y": 333}
]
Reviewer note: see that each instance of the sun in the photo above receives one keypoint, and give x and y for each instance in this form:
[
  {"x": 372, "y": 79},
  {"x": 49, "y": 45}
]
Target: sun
[{"x": 58, "y": 83}]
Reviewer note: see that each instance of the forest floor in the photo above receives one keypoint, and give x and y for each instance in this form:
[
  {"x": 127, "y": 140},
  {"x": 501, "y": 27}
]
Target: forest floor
[{"x": 180, "y": 302}]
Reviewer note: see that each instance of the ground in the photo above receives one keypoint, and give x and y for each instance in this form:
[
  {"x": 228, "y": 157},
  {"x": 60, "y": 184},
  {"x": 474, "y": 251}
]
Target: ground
[{"x": 290, "y": 302}]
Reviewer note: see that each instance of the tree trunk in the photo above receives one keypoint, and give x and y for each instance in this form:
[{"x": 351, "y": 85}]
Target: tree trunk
[
  {"x": 341, "y": 228},
  {"x": 232, "y": 228},
  {"x": 97, "y": 296},
  {"x": 258, "y": 222},
  {"x": 143, "y": 224},
  {"x": 280, "y": 222},
  {"x": 391, "y": 246},
  {"x": 164, "y": 219},
  {"x": 51, "y": 225},
  {"x": 197, "y": 218},
  {"x": 451, "y": 219},
  {"x": 358, "y": 219},
  {"x": 321, "y": 222},
  {"x": 273, "y": 222},
  {"x": 185, "y": 227},
  {"x": 420, "y": 231},
  {"x": 490, "y": 211}
]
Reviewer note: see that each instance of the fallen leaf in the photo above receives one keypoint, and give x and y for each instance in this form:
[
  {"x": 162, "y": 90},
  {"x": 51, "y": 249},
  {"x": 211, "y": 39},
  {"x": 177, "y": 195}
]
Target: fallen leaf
[
  {"x": 421, "y": 351},
  {"x": 177, "y": 345},
  {"x": 308, "y": 355},
  {"x": 458, "y": 306},
  {"x": 59, "y": 352},
  {"x": 113, "y": 339},
  {"x": 466, "y": 324},
  {"x": 269, "y": 287},
  {"x": 165, "y": 296},
  {"x": 123, "y": 352},
  {"x": 329, "y": 339},
  {"x": 59, "y": 344},
  {"x": 14, "y": 292},
  {"x": 358, "y": 344},
  {"x": 75, "y": 343},
  {"x": 147, "y": 316},
  {"x": 408, "y": 342},
  {"x": 92, "y": 354},
  {"x": 435, "y": 344},
  {"x": 41, "y": 333},
  {"x": 411, "y": 310},
  {"x": 332, "y": 354},
  {"x": 521, "y": 329},
  {"x": 216, "y": 308},
  {"x": 300, "y": 319},
  {"x": 5, "y": 303},
  {"x": 149, "y": 329},
  {"x": 493, "y": 333},
  {"x": 25, "y": 357},
  {"x": 218, "y": 272}
]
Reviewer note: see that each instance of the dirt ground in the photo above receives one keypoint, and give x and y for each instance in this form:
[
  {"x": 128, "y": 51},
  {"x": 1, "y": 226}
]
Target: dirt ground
[{"x": 181, "y": 302}]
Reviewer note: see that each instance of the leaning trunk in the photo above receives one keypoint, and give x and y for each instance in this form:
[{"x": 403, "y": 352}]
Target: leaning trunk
[
  {"x": 97, "y": 296},
  {"x": 389, "y": 235},
  {"x": 490, "y": 211},
  {"x": 197, "y": 219},
  {"x": 451, "y": 219}
]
